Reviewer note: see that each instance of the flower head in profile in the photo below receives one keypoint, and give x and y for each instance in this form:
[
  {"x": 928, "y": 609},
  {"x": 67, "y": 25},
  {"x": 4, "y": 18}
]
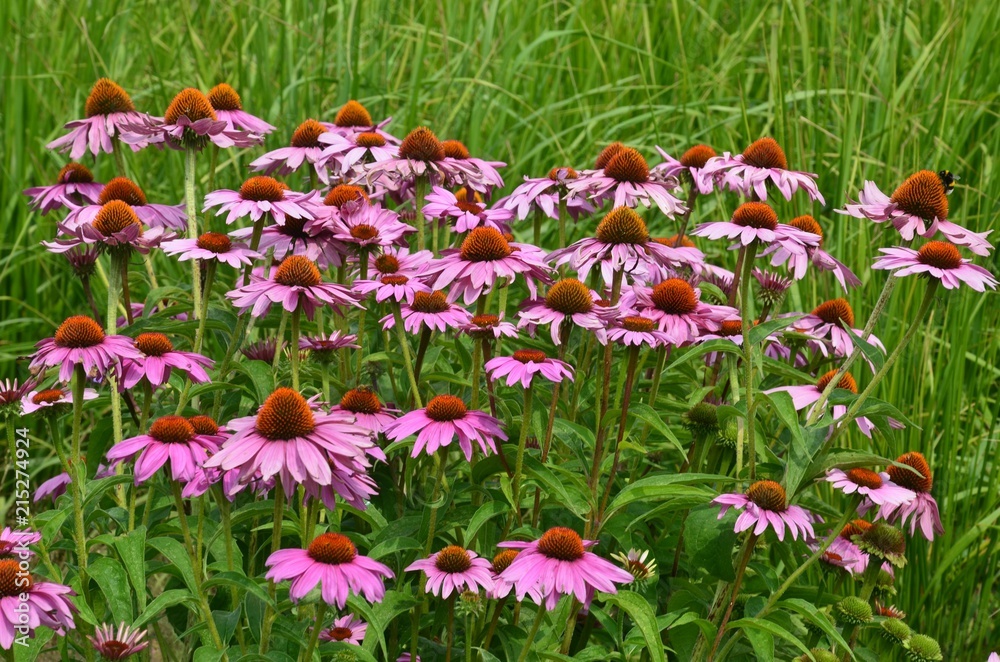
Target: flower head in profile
[
  {"x": 922, "y": 511},
  {"x": 807, "y": 394},
  {"x": 118, "y": 643},
  {"x": 568, "y": 303},
  {"x": 876, "y": 487},
  {"x": 369, "y": 226},
  {"x": 757, "y": 222},
  {"x": 625, "y": 180},
  {"x": 560, "y": 563},
  {"x": 760, "y": 164},
  {"x": 454, "y": 569},
  {"x": 936, "y": 259},
  {"x": 346, "y": 628},
  {"x": 211, "y": 246},
  {"x": 444, "y": 419},
  {"x": 74, "y": 185},
  {"x": 16, "y": 541},
  {"x": 109, "y": 113},
  {"x": 832, "y": 323},
  {"x": 190, "y": 122},
  {"x": 638, "y": 564},
  {"x": 622, "y": 243},
  {"x": 305, "y": 148},
  {"x": 115, "y": 228},
  {"x": 485, "y": 258},
  {"x": 296, "y": 282},
  {"x": 544, "y": 194},
  {"x": 12, "y": 393},
  {"x": 420, "y": 156},
  {"x": 690, "y": 168},
  {"x": 368, "y": 411},
  {"x": 466, "y": 214},
  {"x": 158, "y": 359},
  {"x": 798, "y": 262},
  {"x": 257, "y": 196},
  {"x": 323, "y": 348},
  {"x": 167, "y": 217},
  {"x": 524, "y": 364},
  {"x": 354, "y": 118},
  {"x": 81, "y": 340},
  {"x": 52, "y": 401},
  {"x": 333, "y": 563},
  {"x": 228, "y": 107},
  {"x": 764, "y": 505},
  {"x": 637, "y": 331},
  {"x": 430, "y": 310},
  {"x": 474, "y": 173},
  {"x": 312, "y": 240},
  {"x": 676, "y": 308},
  {"x": 170, "y": 439},
  {"x": 489, "y": 327},
  {"x": 27, "y": 603},
  {"x": 919, "y": 206},
  {"x": 347, "y": 153}
]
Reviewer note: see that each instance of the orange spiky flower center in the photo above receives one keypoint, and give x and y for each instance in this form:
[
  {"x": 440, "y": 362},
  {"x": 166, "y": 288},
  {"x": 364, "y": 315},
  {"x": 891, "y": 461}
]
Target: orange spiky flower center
[
  {"x": 341, "y": 194},
  {"x": 13, "y": 580},
  {"x": 203, "y": 424},
  {"x": 846, "y": 382},
  {"x": 454, "y": 149},
  {"x": 369, "y": 139},
  {"x": 835, "y": 311},
  {"x": 566, "y": 171},
  {"x": 444, "y": 408},
  {"x": 153, "y": 344},
  {"x": 865, "y": 478},
  {"x": 485, "y": 245},
  {"x": 387, "y": 264},
  {"x": 285, "y": 415},
  {"x": 765, "y": 153},
  {"x": 561, "y": 543},
  {"x": 853, "y": 528},
  {"x": 353, "y": 114},
  {"x": 622, "y": 225},
  {"x": 75, "y": 173},
  {"x": 638, "y": 324},
  {"x": 429, "y": 302},
  {"x": 697, "y": 156},
  {"x": 115, "y": 217},
  {"x": 48, "y": 396},
  {"x": 298, "y": 270},
  {"x": 172, "y": 430},
  {"x": 906, "y": 478},
  {"x": 452, "y": 559},
  {"x": 79, "y": 331},
  {"x": 395, "y": 280},
  {"x": 339, "y": 633},
  {"x": 756, "y": 215},
  {"x": 731, "y": 328},
  {"x": 361, "y": 400},
  {"x": 465, "y": 195},
  {"x": 923, "y": 194},
  {"x": 940, "y": 254},
  {"x": 675, "y": 242},
  {"x": 124, "y": 189},
  {"x": 569, "y": 297},
  {"x": 503, "y": 560},
  {"x": 607, "y": 154},
  {"x": 529, "y": 356},
  {"x": 421, "y": 145},
  {"x": 215, "y": 241},
  {"x": 307, "y": 134},
  {"x": 807, "y": 223},
  {"x": 224, "y": 97},
  {"x": 675, "y": 296},
  {"x": 768, "y": 495},
  {"x": 486, "y": 321},
  {"x": 107, "y": 97},
  {"x": 628, "y": 165},
  {"x": 190, "y": 103},
  {"x": 262, "y": 188},
  {"x": 473, "y": 208},
  {"x": 332, "y": 549}
]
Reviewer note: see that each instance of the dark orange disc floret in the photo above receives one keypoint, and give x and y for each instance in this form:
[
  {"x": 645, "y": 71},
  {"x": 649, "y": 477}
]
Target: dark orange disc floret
[
  {"x": 697, "y": 156},
  {"x": 465, "y": 195},
  {"x": 562, "y": 544},
  {"x": 203, "y": 424},
  {"x": 765, "y": 153},
  {"x": 807, "y": 223},
  {"x": 628, "y": 165},
  {"x": 387, "y": 264},
  {"x": 332, "y": 549},
  {"x": 529, "y": 356},
  {"x": 13, "y": 580},
  {"x": 768, "y": 495},
  {"x": 622, "y": 225},
  {"x": 353, "y": 114},
  {"x": 124, "y": 189},
  {"x": 115, "y": 217},
  {"x": 731, "y": 328},
  {"x": 262, "y": 188},
  {"x": 341, "y": 194},
  {"x": 108, "y": 97},
  {"x": 855, "y": 528},
  {"x": 638, "y": 324},
  {"x": 473, "y": 208},
  {"x": 846, "y": 382},
  {"x": 569, "y": 297},
  {"x": 298, "y": 270},
  {"x": 48, "y": 396},
  {"x": 940, "y": 254},
  {"x": 429, "y": 302},
  {"x": 339, "y": 634},
  {"x": 224, "y": 97},
  {"x": 361, "y": 400},
  {"x": 369, "y": 139},
  {"x": 75, "y": 173},
  {"x": 452, "y": 559},
  {"x": 307, "y": 134},
  {"x": 485, "y": 245},
  {"x": 606, "y": 155},
  {"x": 906, "y": 478},
  {"x": 285, "y": 415},
  {"x": 923, "y": 194},
  {"x": 865, "y": 478},
  {"x": 421, "y": 145},
  {"x": 79, "y": 331},
  {"x": 395, "y": 280},
  {"x": 835, "y": 311},
  {"x": 567, "y": 173},
  {"x": 675, "y": 242},
  {"x": 364, "y": 232},
  {"x": 757, "y": 215},
  {"x": 454, "y": 149},
  {"x": 675, "y": 296},
  {"x": 215, "y": 241},
  {"x": 443, "y": 408},
  {"x": 153, "y": 344},
  {"x": 172, "y": 430},
  {"x": 486, "y": 321},
  {"x": 190, "y": 103},
  {"x": 503, "y": 560}
]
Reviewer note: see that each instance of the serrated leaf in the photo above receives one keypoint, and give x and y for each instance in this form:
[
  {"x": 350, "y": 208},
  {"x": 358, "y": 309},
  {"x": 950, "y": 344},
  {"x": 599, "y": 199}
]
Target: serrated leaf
[{"x": 131, "y": 548}]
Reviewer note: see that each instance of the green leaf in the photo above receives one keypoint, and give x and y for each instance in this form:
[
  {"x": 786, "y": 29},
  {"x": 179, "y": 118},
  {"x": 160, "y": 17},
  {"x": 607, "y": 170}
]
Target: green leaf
[
  {"x": 486, "y": 512},
  {"x": 874, "y": 355},
  {"x": 113, "y": 580},
  {"x": 131, "y": 548},
  {"x": 162, "y": 602},
  {"x": 644, "y": 618},
  {"x": 709, "y": 541},
  {"x": 240, "y": 582},
  {"x": 572, "y": 493},
  {"x": 394, "y": 545},
  {"x": 669, "y": 486},
  {"x": 761, "y": 331},
  {"x": 808, "y": 611},
  {"x": 770, "y": 627},
  {"x": 335, "y": 647},
  {"x": 178, "y": 556},
  {"x": 762, "y": 642},
  {"x": 649, "y": 415},
  {"x": 260, "y": 376}
]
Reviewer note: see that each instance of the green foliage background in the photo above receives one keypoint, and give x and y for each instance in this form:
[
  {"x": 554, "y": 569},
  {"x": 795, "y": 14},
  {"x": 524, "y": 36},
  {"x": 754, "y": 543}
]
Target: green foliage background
[{"x": 852, "y": 90}]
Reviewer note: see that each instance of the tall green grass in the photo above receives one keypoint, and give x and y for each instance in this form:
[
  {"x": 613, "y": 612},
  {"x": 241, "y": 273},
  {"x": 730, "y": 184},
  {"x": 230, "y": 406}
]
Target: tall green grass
[{"x": 852, "y": 90}]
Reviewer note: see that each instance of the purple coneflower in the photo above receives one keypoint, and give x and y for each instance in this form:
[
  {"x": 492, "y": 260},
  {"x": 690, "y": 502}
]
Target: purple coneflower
[
  {"x": 833, "y": 322},
  {"x": 211, "y": 246},
  {"x": 15, "y": 542},
  {"x": 291, "y": 439},
  {"x": 367, "y": 226},
  {"x": 544, "y": 193},
  {"x": 170, "y": 438},
  {"x": 877, "y": 487},
  {"x": 807, "y": 394},
  {"x": 918, "y": 206},
  {"x": 502, "y": 588},
  {"x": 310, "y": 239},
  {"x": 74, "y": 185},
  {"x": 468, "y": 214},
  {"x": 397, "y": 287},
  {"x": 485, "y": 327},
  {"x": 937, "y": 259},
  {"x": 430, "y": 310},
  {"x": 421, "y": 155},
  {"x": 349, "y": 152},
  {"x": 761, "y": 163},
  {"x": 568, "y": 303},
  {"x": 798, "y": 261},
  {"x": 558, "y": 564},
  {"x": 228, "y": 108},
  {"x": 296, "y": 282},
  {"x": 109, "y": 112},
  {"x": 757, "y": 222},
  {"x": 443, "y": 419},
  {"x": 677, "y": 309},
  {"x": 689, "y": 168},
  {"x": 368, "y": 411},
  {"x": 79, "y": 339},
  {"x": 353, "y": 117},
  {"x": 26, "y": 604},
  {"x": 322, "y": 348},
  {"x": 263, "y": 350},
  {"x": 115, "y": 227},
  {"x": 258, "y": 196},
  {"x": 112, "y": 644},
  {"x": 524, "y": 364},
  {"x": 157, "y": 360},
  {"x": 12, "y": 394},
  {"x": 922, "y": 511},
  {"x": 636, "y": 331},
  {"x": 475, "y": 173},
  {"x": 454, "y": 569},
  {"x": 625, "y": 180},
  {"x": 346, "y": 628},
  {"x": 764, "y": 506},
  {"x": 331, "y": 561},
  {"x": 52, "y": 488},
  {"x": 52, "y": 399},
  {"x": 622, "y": 243},
  {"x": 189, "y": 123},
  {"x": 172, "y": 217}
]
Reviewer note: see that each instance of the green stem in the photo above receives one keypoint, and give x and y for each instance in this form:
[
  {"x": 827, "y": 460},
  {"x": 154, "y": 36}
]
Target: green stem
[
  {"x": 633, "y": 359},
  {"x": 431, "y": 527},
  {"x": 279, "y": 339},
  {"x": 234, "y": 342},
  {"x": 190, "y": 175},
  {"x": 196, "y": 567},
  {"x": 744, "y": 561},
  {"x": 77, "y": 478},
  {"x": 407, "y": 360},
  {"x": 601, "y": 431},
  {"x": 574, "y": 609},
  {"x": 420, "y": 190},
  {"x": 451, "y": 629},
  {"x": 748, "y": 376},
  {"x": 521, "y": 442},
  {"x": 293, "y": 349},
  {"x": 278, "y": 517},
  {"x": 868, "y": 582},
  {"x": 314, "y": 636},
  {"x": 199, "y": 336},
  {"x": 362, "y": 338},
  {"x": 528, "y": 643},
  {"x": 692, "y": 197}
]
